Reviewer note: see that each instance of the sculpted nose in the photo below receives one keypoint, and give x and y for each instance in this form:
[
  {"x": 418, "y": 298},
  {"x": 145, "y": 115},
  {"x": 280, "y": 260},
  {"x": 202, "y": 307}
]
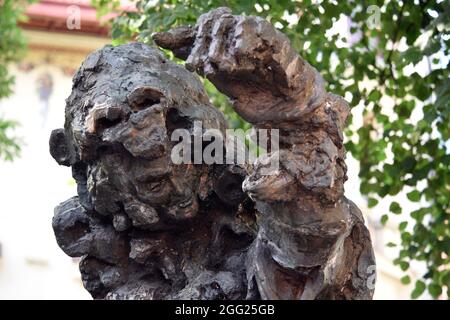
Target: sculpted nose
[{"x": 178, "y": 186}]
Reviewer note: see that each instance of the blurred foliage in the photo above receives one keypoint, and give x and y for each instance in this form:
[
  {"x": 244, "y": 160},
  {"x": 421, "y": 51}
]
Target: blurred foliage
[
  {"x": 402, "y": 143},
  {"x": 12, "y": 45}
]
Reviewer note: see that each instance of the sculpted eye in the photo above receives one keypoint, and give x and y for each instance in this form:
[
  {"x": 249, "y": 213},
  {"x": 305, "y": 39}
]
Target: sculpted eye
[
  {"x": 103, "y": 116},
  {"x": 144, "y": 97},
  {"x": 156, "y": 186},
  {"x": 104, "y": 123},
  {"x": 175, "y": 120}
]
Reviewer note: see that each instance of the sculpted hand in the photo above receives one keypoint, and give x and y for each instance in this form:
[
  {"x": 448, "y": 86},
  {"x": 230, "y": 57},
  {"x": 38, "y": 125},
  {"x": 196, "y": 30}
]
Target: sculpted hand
[{"x": 246, "y": 58}]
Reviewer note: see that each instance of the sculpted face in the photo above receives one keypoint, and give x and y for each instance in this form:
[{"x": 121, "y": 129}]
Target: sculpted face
[{"x": 121, "y": 117}]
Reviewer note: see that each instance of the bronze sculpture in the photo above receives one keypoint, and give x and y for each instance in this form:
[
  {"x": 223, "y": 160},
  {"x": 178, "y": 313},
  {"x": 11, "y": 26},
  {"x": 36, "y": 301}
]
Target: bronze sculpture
[{"x": 150, "y": 229}]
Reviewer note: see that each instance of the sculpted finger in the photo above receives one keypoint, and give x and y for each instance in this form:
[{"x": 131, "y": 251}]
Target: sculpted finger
[
  {"x": 199, "y": 53},
  {"x": 178, "y": 40},
  {"x": 219, "y": 56}
]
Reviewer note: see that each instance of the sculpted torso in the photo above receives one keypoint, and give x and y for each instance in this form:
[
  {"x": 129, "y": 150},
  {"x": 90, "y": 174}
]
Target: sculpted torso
[{"x": 147, "y": 228}]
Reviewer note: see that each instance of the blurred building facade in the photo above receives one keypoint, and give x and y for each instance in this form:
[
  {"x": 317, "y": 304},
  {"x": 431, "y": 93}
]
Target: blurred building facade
[{"x": 32, "y": 266}]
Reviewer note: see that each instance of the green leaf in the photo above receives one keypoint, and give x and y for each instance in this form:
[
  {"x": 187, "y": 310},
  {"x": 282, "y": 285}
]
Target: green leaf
[
  {"x": 391, "y": 245},
  {"x": 404, "y": 265},
  {"x": 406, "y": 236},
  {"x": 384, "y": 219},
  {"x": 374, "y": 96},
  {"x": 435, "y": 290},
  {"x": 413, "y": 55},
  {"x": 405, "y": 280},
  {"x": 402, "y": 226},
  {"x": 418, "y": 290},
  {"x": 117, "y": 33},
  {"x": 395, "y": 207},
  {"x": 413, "y": 196},
  {"x": 372, "y": 202}
]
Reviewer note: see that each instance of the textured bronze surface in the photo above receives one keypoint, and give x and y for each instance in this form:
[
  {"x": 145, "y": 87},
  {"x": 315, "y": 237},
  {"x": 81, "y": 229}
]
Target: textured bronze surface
[{"x": 149, "y": 229}]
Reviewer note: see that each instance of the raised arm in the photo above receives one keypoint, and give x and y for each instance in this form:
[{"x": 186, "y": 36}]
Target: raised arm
[
  {"x": 312, "y": 242},
  {"x": 251, "y": 62}
]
